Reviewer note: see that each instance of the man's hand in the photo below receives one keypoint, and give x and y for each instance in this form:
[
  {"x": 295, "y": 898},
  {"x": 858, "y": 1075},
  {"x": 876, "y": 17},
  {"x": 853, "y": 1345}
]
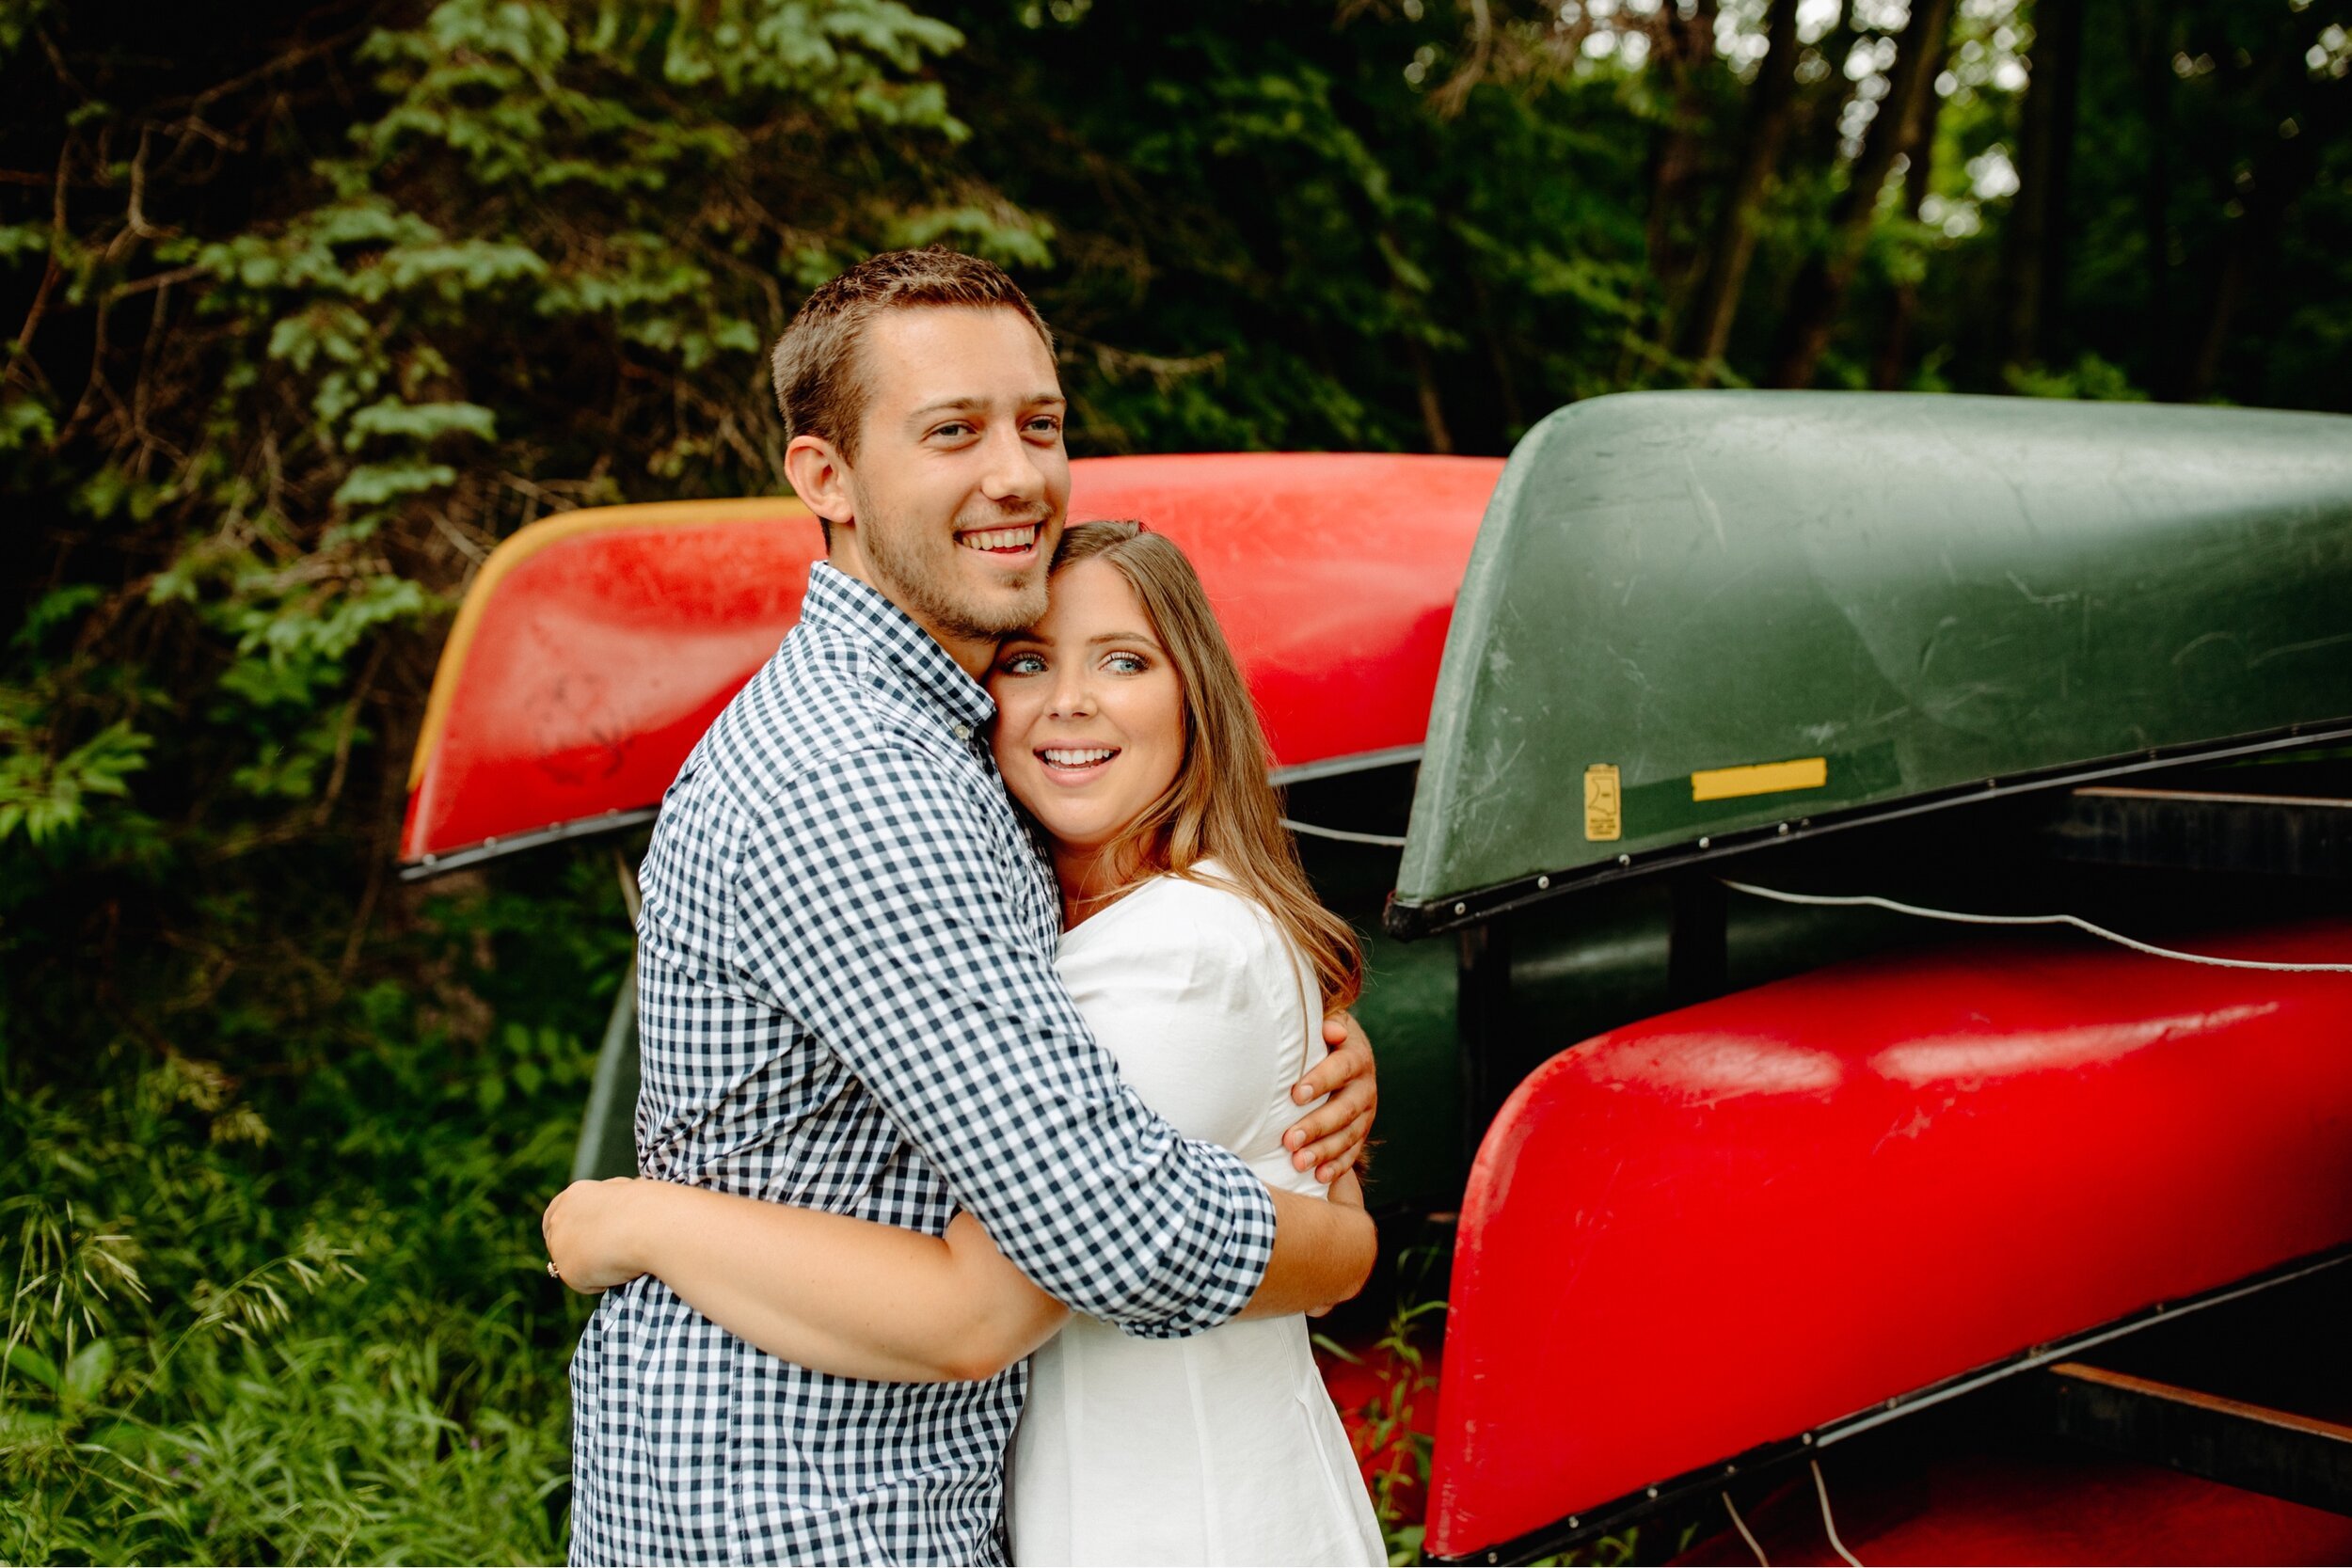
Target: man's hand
[
  {"x": 1331, "y": 1137},
  {"x": 588, "y": 1229}
]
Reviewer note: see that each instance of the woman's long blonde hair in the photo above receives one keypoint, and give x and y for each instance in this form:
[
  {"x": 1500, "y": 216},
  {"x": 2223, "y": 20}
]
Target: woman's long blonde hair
[{"x": 1220, "y": 806}]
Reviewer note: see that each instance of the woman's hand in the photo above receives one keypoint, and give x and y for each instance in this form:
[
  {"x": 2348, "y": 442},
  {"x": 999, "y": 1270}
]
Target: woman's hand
[
  {"x": 592, "y": 1230},
  {"x": 1345, "y": 1193},
  {"x": 1331, "y": 1137}
]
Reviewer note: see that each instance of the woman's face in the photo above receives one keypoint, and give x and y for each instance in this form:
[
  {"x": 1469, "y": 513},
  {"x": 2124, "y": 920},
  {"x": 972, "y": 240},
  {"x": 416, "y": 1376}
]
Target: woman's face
[{"x": 1089, "y": 713}]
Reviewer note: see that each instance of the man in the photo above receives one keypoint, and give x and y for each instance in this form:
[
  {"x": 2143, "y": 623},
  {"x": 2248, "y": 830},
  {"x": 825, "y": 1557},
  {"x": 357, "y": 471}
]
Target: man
[{"x": 847, "y": 994}]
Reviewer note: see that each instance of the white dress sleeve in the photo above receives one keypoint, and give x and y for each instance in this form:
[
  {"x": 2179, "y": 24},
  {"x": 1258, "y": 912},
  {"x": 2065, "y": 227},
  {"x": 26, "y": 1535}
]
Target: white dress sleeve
[{"x": 1200, "y": 998}]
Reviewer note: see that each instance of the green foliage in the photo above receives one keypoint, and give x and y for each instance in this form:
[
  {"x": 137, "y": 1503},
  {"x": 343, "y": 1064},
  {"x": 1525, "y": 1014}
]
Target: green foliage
[
  {"x": 302, "y": 1318},
  {"x": 1408, "y": 1389},
  {"x": 2090, "y": 379},
  {"x": 319, "y": 1379},
  {"x": 43, "y": 798}
]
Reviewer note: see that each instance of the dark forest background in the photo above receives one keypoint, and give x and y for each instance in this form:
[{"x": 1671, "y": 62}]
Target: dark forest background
[{"x": 307, "y": 306}]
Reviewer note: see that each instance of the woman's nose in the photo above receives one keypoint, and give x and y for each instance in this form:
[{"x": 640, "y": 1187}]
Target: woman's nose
[{"x": 1072, "y": 697}]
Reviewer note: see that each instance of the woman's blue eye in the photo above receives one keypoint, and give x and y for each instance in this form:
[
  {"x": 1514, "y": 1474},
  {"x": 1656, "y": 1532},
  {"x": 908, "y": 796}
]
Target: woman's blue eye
[
  {"x": 1127, "y": 665},
  {"x": 1022, "y": 664}
]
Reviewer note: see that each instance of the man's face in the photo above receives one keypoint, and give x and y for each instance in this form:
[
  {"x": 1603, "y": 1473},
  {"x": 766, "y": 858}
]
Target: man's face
[{"x": 962, "y": 482}]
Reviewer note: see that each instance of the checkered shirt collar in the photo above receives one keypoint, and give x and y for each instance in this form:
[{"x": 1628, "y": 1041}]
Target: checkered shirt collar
[{"x": 837, "y": 602}]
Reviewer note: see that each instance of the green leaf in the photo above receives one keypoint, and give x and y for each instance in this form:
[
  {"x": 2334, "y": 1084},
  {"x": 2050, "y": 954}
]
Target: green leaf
[
  {"x": 53, "y": 609},
  {"x": 46, "y": 799},
  {"x": 23, "y": 1429},
  {"x": 24, "y": 420},
  {"x": 419, "y": 421},
  {"x": 22, "y": 242},
  {"x": 87, "y": 1373},
  {"x": 336, "y": 331},
  {"x": 373, "y": 483},
  {"x": 27, "y": 1362}
]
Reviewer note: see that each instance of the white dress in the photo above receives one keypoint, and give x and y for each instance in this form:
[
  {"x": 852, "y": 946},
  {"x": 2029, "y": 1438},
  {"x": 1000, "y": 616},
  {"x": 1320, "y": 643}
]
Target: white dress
[{"x": 1223, "y": 1447}]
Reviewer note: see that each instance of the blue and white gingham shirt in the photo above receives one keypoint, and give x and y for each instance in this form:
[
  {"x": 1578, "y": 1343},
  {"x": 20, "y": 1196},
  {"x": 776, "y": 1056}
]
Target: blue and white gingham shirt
[{"x": 847, "y": 1001}]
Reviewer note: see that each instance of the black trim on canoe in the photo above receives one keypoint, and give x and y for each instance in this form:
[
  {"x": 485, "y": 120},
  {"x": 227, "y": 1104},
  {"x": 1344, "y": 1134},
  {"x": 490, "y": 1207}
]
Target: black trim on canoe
[
  {"x": 427, "y": 866},
  {"x": 1697, "y": 1485},
  {"x": 1408, "y": 919}
]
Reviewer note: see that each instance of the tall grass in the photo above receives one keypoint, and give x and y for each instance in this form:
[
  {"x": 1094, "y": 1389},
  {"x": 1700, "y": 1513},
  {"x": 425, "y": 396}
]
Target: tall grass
[{"x": 303, "y": 1318}]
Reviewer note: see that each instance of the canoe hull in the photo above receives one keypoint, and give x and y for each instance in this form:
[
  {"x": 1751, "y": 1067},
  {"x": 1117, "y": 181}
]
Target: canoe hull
[
  {"x": 1747, "y": 1220},
  {"x": 595, "y": 648}
]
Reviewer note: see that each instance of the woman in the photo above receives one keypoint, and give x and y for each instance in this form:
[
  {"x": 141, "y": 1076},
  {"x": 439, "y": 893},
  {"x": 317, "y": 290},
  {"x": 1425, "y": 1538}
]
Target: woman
[{"x": 1202, "y": 961}]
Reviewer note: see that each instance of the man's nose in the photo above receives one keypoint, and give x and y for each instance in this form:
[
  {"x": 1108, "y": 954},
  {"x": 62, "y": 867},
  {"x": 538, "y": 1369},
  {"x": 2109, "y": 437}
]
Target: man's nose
[{"x": 1013, "y": 476}]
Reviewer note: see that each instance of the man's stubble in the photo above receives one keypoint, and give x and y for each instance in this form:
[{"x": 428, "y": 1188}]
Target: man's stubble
[{"x": 917, "y": 568}]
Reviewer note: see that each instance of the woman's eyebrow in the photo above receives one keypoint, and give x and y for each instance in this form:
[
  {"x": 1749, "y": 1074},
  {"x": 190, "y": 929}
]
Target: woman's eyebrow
[{"x": 1123, "y": 636}]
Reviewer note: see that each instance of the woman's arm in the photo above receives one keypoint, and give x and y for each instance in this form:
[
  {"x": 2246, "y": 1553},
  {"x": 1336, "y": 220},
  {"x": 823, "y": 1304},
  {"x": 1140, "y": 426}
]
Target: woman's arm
[
  {"x": 1323, "y": 1252},
  {"x": 846, "y": 1296}
]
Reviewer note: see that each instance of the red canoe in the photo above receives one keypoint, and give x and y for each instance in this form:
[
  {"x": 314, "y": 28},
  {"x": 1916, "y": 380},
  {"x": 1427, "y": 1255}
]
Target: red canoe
[
  {"x": 595, "y": 648},
  {"x": 1781, "y": 1216}
]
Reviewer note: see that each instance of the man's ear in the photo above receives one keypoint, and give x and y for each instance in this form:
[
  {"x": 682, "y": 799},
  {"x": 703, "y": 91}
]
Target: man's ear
[{"x": 821, "y": 477}]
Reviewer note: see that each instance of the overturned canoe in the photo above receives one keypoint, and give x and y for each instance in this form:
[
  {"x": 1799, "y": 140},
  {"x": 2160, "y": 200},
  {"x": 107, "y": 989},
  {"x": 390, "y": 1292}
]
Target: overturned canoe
[
  {"x": 595, "y": 648},
  {"x": 1698, "y": 620},
  {"x": 1759, "y": 1226}
]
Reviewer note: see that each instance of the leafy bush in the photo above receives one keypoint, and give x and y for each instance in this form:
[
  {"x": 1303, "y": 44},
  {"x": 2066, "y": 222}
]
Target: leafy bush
[{"x": 304, "y": 1318}]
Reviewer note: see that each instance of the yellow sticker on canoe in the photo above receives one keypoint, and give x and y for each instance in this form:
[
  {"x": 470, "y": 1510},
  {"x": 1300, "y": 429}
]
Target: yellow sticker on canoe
[
  {"x": 1761, "y": 778},
  {"x": 1604, "y": 818}
]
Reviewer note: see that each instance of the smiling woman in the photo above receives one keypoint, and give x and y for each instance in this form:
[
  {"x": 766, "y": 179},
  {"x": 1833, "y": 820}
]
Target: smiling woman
[{"x": 1089, "y": 727}]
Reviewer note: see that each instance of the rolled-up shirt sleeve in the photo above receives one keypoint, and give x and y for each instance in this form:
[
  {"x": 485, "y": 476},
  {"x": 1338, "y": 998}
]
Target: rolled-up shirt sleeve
[{"x": 871, "y": 909}]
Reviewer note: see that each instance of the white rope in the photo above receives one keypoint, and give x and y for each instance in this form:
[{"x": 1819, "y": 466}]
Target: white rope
[
  {"x": 1742, "y": 1525},
  {"x": 1829, "y": 1524},
  {"x": 1854, "y": 901},
  {"x": 1387, "y": 841}
]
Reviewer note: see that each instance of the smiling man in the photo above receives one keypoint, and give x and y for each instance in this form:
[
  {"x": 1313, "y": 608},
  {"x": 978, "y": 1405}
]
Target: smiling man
[{"x": 848, "y": 999}]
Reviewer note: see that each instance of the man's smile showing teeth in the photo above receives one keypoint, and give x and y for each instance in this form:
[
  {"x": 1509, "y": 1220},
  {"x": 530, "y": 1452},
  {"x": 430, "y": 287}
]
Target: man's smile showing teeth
[
  {"x": 1076, "y": 756},
  {"x": 1008, "y": 539}
]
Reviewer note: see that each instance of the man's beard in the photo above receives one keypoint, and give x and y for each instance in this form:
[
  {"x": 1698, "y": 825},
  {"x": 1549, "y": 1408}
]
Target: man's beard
[{"x": 925, "y": 580}]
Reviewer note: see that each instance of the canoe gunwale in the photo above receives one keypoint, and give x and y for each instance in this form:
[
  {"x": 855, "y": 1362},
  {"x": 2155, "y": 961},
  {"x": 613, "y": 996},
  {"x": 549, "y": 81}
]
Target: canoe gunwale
[
  {"x": 1575, "y": 1530},
  {"x": 1409, "y": 919},
  {"x": 430, "y": 865}
]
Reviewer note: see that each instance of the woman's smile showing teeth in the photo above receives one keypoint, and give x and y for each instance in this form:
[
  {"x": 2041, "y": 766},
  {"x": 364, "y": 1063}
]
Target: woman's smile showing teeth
[
  {"x": 1013, "y": 540},
  {"x": 1076, "y": 759}
]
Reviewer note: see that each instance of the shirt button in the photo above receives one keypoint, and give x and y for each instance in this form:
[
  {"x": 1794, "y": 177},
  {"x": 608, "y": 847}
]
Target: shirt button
[{"x": 963, "y": 731}]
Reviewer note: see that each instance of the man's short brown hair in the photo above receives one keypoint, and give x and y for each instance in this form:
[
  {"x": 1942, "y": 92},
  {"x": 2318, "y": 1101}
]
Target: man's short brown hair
[{"x": 820, "y": 385}]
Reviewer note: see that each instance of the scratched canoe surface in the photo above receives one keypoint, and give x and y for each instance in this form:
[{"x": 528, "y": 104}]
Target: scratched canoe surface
[
  {"x": 595, "y": 648},
  {"x": 1704, "y": 613}
]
